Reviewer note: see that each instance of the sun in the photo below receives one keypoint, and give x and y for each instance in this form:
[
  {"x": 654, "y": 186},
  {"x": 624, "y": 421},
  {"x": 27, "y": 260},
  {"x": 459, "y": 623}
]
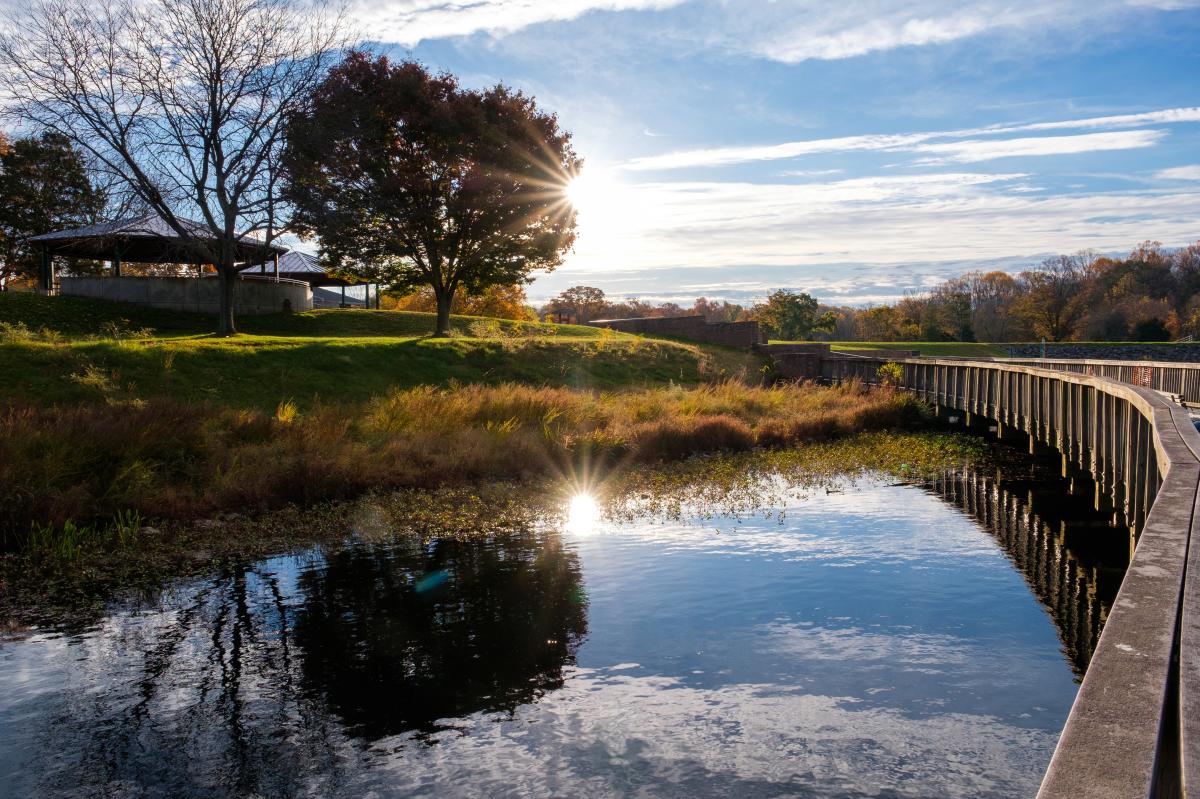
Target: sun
[
  {"x": 612, "y": 216},
  {"x": 596, "y": 196}
]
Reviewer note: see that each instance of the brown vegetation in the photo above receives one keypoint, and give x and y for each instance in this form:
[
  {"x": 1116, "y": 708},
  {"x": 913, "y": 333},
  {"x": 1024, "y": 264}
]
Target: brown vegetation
[{"x": 165, "y": 459}]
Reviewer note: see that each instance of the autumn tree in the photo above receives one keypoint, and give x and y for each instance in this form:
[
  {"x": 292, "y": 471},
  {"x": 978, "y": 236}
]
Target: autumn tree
[
  {"x": 581, "y": 303},
  {"x": 1050, "y": 300},
  {"x": 500, "y": 302},
  {"x": 44, "y": 185},
  {"x": 878, "y": 323},
  {"x": 180, "y": 102},
  {"x": 397, "y": 169},
  {"x": 717, "y": 312},
  {"x": 793, "y": 316},
  {"x": 993, "y": 295}
]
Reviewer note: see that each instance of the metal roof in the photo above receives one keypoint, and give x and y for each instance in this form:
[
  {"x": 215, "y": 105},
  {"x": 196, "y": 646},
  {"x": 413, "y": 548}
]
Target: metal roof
[
  {"x": 304, "y": 266},
  {"x": 146, "y": 239}
]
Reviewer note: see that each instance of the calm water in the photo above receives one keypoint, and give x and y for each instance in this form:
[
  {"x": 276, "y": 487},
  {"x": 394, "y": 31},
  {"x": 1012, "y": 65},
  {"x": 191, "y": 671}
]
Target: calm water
[{"x": 883, "y": 641}]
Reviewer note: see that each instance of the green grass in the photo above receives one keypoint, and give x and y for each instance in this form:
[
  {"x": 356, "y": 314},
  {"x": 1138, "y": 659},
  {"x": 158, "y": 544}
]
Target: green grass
[
  {"x": 76, "y": 350},
  {"x": 261, "y": 372},
  {"x": 75, "y": 317},
  {"x": 955, "y": 349}
]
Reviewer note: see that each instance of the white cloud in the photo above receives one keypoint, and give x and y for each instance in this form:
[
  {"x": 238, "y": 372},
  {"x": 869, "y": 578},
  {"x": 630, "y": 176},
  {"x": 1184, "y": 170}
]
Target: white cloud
[
  {"x": 833, "y": 36},
  {"x": 722, "y": 156},
  {"x": 975, "y": 150},
  {"x": 410, "y": 22},
  {"x": 1167, "y": 116},
  {"x": 918, "y": 142},
  {"x": 785, "y": 30},
  {"x": 804, "y": 30},
  {"x": 1191, "y": 172},
  {"x": 848, "y": 235}
]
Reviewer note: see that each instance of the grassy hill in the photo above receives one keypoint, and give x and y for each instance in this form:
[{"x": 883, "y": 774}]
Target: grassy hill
[
  {"x": 79, "y": 317},
  {"x": 70, "y": 349}
]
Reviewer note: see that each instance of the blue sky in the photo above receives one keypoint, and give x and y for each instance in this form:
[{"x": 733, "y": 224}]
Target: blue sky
[{"x": 852, "y": 150}]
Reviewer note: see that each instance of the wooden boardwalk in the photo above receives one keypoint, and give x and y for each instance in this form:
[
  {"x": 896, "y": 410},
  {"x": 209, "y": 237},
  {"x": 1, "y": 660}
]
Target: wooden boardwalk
[{"x": 1134, "y": 730}]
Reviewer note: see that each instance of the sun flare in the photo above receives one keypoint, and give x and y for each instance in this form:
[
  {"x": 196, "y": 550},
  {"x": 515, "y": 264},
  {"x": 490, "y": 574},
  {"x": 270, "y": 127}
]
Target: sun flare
[
  {"x": 582, "y": 514},
  {"x": 597, "y": 196}
]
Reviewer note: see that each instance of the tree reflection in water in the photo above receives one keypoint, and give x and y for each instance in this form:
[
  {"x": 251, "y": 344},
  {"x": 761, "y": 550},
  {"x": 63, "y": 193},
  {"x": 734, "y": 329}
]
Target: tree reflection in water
[
  {"x": 262, "y": 681},
  {"x": 326, "y": 674},
  {"x": 396, "y": 639}
]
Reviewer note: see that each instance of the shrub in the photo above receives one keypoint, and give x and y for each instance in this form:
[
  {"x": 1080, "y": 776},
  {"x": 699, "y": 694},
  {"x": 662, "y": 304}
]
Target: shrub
[
  {"x": 678, "y": 437},
  {"x": 891, "y": 374}
]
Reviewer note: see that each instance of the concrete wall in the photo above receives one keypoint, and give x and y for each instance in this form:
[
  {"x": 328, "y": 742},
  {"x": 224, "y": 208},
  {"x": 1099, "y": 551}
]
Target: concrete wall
[
  {"x": 743, "y": 335},
  {"x": 192, "y": 294},
  {"x": 1111, "y": 352}
]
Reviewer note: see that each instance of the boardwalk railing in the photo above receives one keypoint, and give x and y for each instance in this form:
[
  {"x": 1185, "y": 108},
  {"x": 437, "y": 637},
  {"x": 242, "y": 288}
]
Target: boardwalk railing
[
  {"x": 1181, "y": 379},
  {"x": 1134, "y": 730}
]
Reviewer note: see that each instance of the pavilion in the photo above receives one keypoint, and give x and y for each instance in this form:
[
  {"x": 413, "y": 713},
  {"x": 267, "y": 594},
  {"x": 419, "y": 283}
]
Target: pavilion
[
  {"x": 297, "y": 265},
  {"x": 148, "y": 239},
  {"x": 145, "y": 239}
]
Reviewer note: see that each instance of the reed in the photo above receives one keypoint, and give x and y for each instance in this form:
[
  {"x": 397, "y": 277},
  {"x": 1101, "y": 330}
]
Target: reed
[{"x": 84, "y": 465}]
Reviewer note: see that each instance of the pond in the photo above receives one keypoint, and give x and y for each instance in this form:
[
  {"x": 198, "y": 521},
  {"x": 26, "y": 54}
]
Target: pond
[{"x": 869, "y": 639}]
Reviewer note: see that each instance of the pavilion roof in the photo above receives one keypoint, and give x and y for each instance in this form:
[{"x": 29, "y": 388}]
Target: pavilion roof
[
  {"x": 146, "y": 239},
  {"x": 305, "y": 266}
]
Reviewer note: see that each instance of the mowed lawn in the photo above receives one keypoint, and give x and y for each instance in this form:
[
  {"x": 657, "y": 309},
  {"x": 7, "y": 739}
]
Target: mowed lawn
[
  {"x": 930, "y": 349},
  {"x": 79, "y": 350}
]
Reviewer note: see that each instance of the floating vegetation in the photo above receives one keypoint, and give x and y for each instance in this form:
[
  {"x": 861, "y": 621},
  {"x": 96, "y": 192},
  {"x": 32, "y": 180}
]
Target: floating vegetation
[
  {"x": 172, "y": 460},
  {"x": 71, "y": 572}
]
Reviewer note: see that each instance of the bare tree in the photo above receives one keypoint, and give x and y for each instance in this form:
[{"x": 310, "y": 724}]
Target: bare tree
[{"x": 181, "y": 101}]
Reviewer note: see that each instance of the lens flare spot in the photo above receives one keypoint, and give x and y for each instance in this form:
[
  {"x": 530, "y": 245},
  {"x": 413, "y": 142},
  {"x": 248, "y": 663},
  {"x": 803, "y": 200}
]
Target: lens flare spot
[{"x": 431, "y": 581}]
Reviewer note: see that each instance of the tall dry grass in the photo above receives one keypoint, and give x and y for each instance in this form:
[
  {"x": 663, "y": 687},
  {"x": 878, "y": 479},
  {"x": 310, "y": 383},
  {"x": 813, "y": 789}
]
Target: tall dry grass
[{"x": 85, "y": 464}]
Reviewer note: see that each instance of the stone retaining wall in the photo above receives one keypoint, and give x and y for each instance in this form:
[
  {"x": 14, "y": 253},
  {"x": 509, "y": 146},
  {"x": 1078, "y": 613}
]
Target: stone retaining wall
[
  {"x": 1148, "y": 351},
  {"x": 201, "y": 295},
  {"x": 742, "y": 335}
]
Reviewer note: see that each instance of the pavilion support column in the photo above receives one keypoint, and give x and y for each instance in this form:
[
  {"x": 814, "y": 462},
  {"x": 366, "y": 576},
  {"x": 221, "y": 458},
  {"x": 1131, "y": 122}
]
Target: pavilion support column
[
  {"x": 46, "y": 271},
  {"x": 276, "y": 267},
  {"x": 343, "y": 295},
  {"x": 117, "y": 265}
]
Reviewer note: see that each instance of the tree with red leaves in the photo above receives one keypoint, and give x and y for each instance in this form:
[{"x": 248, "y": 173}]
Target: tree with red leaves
[{"x": 405, "y": 175}]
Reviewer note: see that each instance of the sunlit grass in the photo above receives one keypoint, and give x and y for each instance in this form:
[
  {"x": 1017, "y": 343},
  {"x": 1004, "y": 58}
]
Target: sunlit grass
[{"x": 165, "y": 458}]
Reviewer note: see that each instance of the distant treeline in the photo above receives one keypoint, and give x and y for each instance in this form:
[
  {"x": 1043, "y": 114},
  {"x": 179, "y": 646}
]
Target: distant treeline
[
  {"x": 1153, "y": 294},
  {"x": 582, "y": 304}
]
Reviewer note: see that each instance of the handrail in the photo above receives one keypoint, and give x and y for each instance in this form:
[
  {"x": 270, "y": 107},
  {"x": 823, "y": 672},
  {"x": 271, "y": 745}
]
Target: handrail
[
  {"x": 1134, "y": 729},
  {"x": 1175, "y": 377},
  {"x": 269, "y": 278}
]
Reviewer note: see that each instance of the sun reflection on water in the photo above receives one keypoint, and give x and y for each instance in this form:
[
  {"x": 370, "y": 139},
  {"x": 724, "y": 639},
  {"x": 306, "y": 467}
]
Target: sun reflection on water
[{"x": 582, "y": 514}]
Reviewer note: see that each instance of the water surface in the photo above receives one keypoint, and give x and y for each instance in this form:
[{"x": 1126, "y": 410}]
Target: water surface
[{"x": 881, "y": 640}]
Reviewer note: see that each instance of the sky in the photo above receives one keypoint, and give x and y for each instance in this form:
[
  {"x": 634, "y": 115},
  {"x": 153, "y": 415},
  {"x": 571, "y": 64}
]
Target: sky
[{"x": 855, "y": 151}]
